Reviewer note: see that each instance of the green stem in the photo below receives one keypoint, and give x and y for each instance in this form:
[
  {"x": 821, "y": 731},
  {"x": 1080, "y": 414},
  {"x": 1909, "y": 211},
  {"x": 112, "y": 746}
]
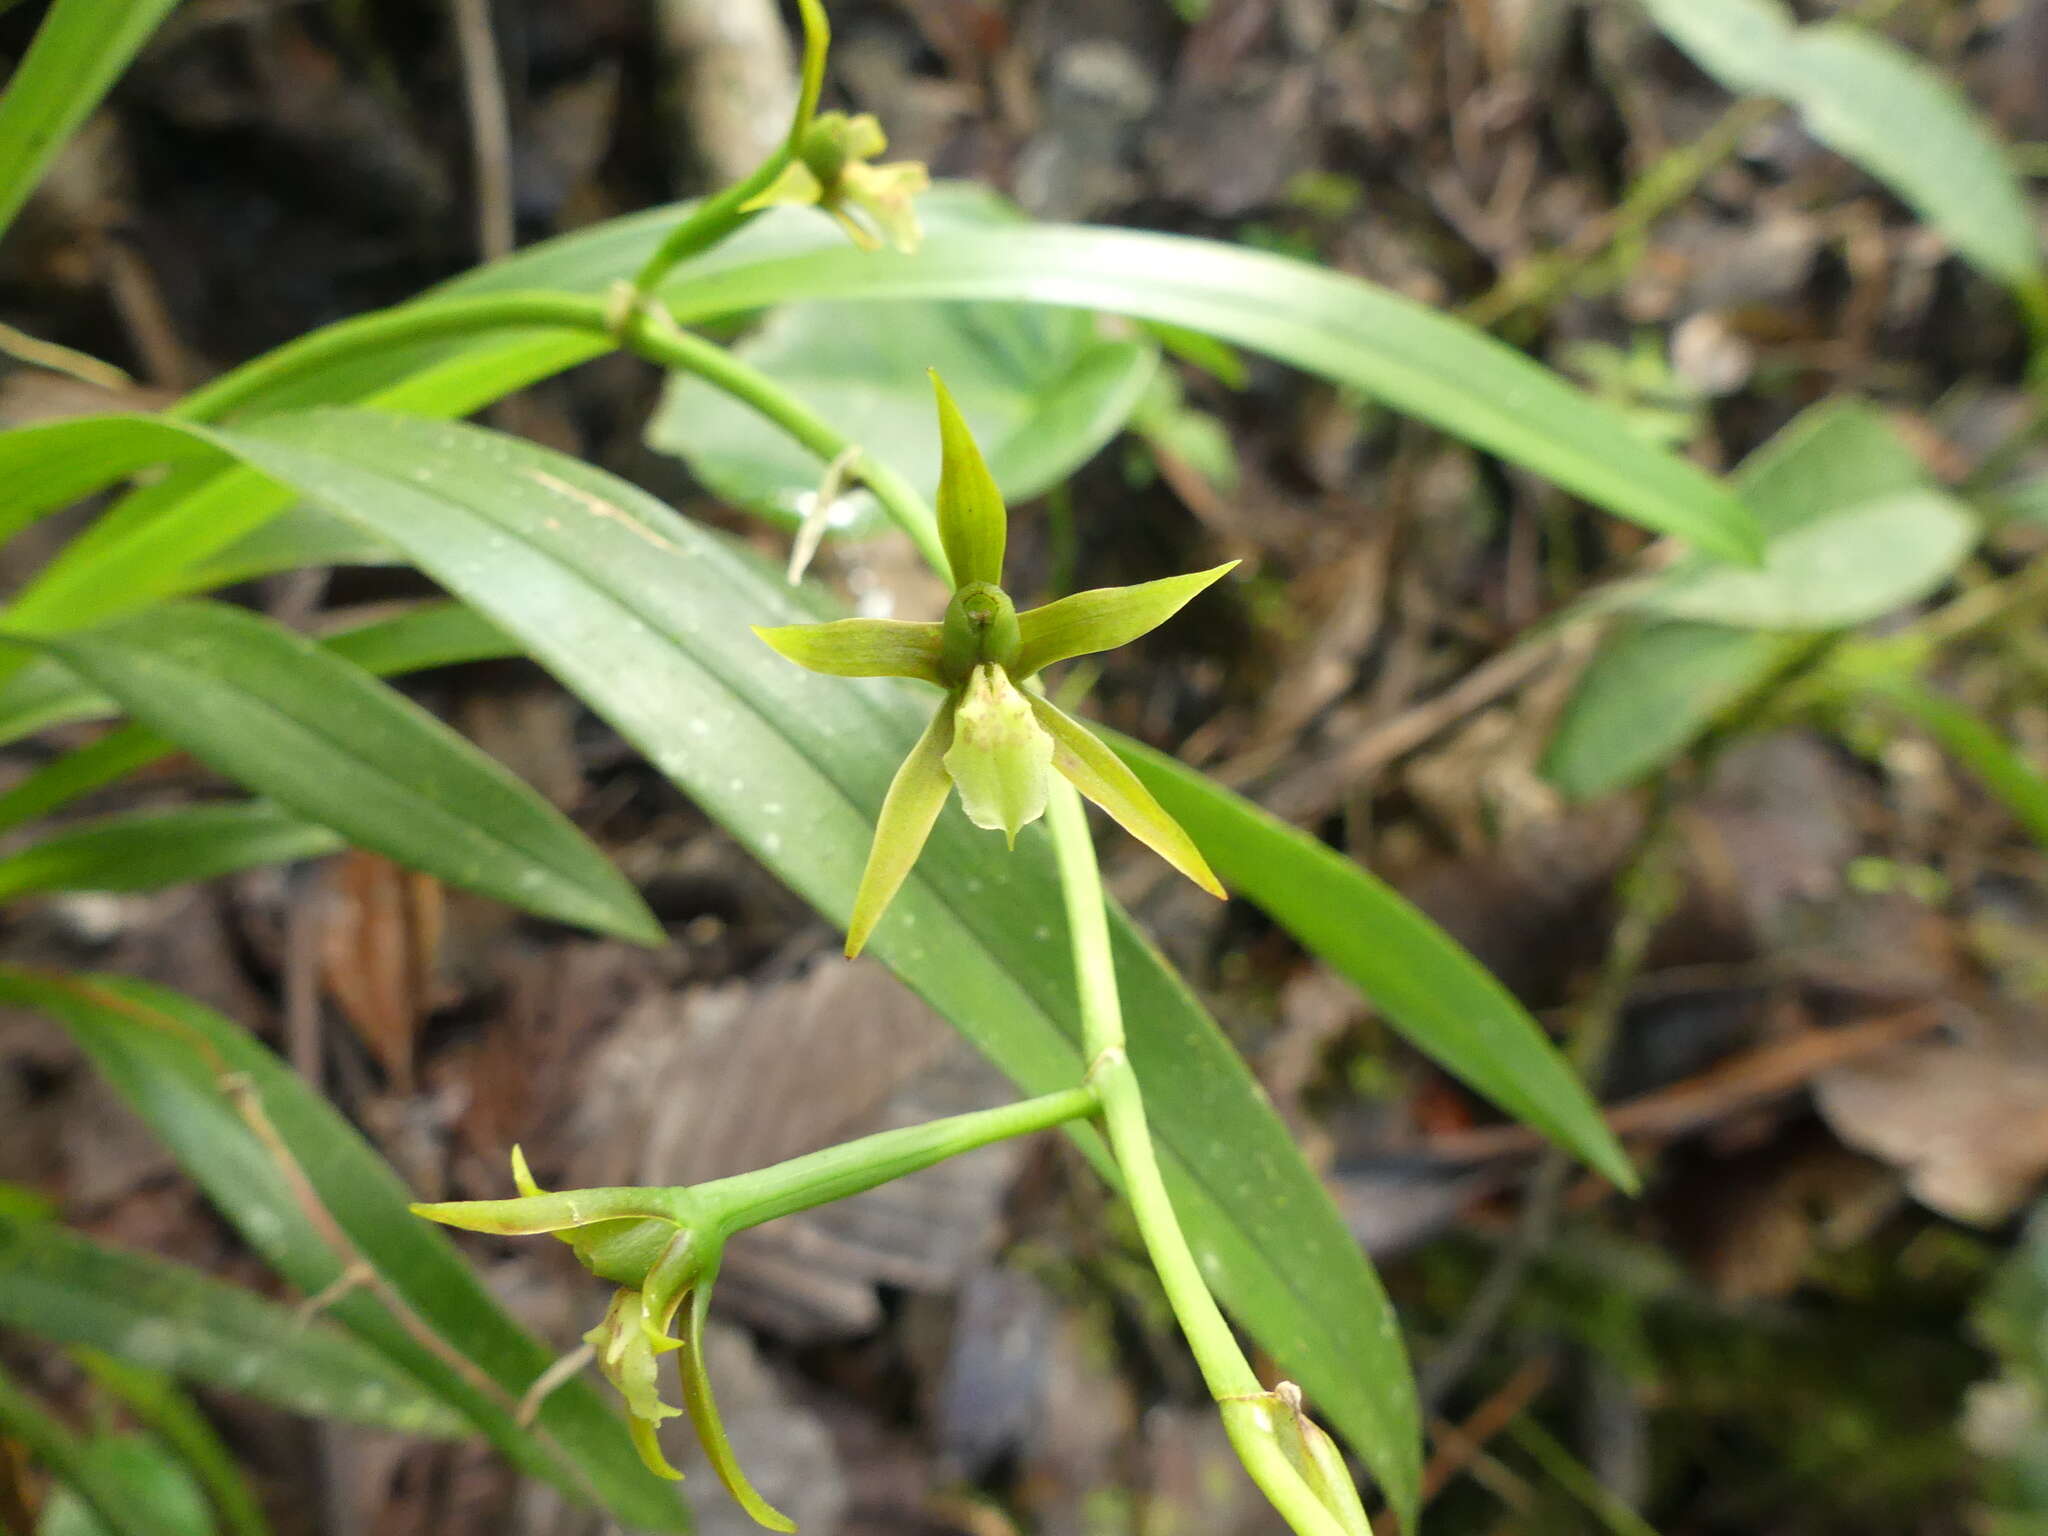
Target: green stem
[
  {"x": 719, "y": 216},
  {"x": 1246, "y": 1405},
  {"x": 659, "y": 339},
  {"x": 645, "y": 330},
  {"x": 748, "y": 1199}
]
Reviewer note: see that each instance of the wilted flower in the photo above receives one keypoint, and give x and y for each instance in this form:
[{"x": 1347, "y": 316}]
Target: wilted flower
[
  {"x": 662, "y": 1249},
  {"x": 831, "y": 171},
  {"x": 993, "y": 738}
]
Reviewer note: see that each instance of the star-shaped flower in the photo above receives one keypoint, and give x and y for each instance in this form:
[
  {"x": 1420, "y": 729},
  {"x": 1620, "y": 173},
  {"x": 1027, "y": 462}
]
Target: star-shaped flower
[
  {"x": 661, "y": 1247},
  {"x": 995, "y": 737},
  {"x": 831, "y": 171}
]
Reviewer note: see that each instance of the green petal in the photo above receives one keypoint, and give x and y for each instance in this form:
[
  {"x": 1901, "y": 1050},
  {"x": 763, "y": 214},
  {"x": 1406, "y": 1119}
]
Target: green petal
[
  {"x": 915, "y": 798},
  {"x": 887, "y": 195},
  {"x": 711, "y": 1431},
  {"x": 1101, "y": 775},
  {"x": 683, "y": 1264},
  {"x": 629, "y": 1364},
  {"x": 972, "y": 521},
  {"x": 861, "y": 648},
  {"x": 1105, "y": 618},
  {"x": 1001, "y": 758}
]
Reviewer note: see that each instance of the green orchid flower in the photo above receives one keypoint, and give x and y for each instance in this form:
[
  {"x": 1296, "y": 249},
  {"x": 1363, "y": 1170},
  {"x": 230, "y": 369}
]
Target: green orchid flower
[
  {"x": 995, "y": 738},
  {"x": 661, "y": 1247},
  {"x": 831, "y": 171}
]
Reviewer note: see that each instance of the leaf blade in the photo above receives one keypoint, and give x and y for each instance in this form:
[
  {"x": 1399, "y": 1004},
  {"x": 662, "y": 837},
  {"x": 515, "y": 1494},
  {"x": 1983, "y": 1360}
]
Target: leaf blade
[
  {"x": 148, "y": 850},
  {"x": 301, "y": 725},
  {"x": 1438, "y": 996},
  {"x": 1878, "y": 107},
  {"x": 66, "y": 1289},
  {"x": 77, "y": 52}
]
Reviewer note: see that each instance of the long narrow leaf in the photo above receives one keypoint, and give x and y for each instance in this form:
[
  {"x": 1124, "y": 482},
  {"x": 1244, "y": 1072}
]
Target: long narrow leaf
[
  {"x": 58, "y": 1286},
  {"x": 1434, "y": 993},
  {"x": 182, "y": 1068},
  {"x": 291, "y": 720},
  {"x": 430, "y": 635},
  {"x": 148, "y": 850},
  {"x": 1877, "y": 106},
  {"x": 1403, "y": 353},
  {"x": 77, "y": 52},
  {"x": 649, "y": 619},
  {"x": 45, "y": 693},
  {"x": 1326, "y": 323}
]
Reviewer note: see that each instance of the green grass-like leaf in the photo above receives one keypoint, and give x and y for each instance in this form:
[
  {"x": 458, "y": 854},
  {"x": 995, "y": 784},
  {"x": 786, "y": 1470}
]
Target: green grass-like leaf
[
  {"x": 1879, "y": 107},
  {"x": 58, "y": 1286},
  {"x": 79, "y": 49},
  {"x": 293, "y": 721},
  {"x": 1428, "y": 988}
]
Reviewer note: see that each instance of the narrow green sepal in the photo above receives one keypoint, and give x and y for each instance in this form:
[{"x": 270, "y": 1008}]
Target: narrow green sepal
[
  {"x": 1001, "y": 758},
  {"x": 711, "y": 1429},
  {"x": 861, "y": 648},
  {"x": 1101, "y": 775},
  {"x": 1104, "y": 618},
  {"x": 916, "y": 796},
  {"x": 973, "y": 523},
  {"x": 531, "y": 1215},
  {"x": 522, "y": 1175}
]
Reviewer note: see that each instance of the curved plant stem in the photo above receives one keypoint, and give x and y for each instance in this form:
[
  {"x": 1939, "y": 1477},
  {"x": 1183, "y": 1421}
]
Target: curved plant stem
[
  {"x": 719, "y": 216},
  {"x": 1247, "y": 1414},
  {"x": 641, "y": 328},
  {"x": 659, "y": 339}
]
